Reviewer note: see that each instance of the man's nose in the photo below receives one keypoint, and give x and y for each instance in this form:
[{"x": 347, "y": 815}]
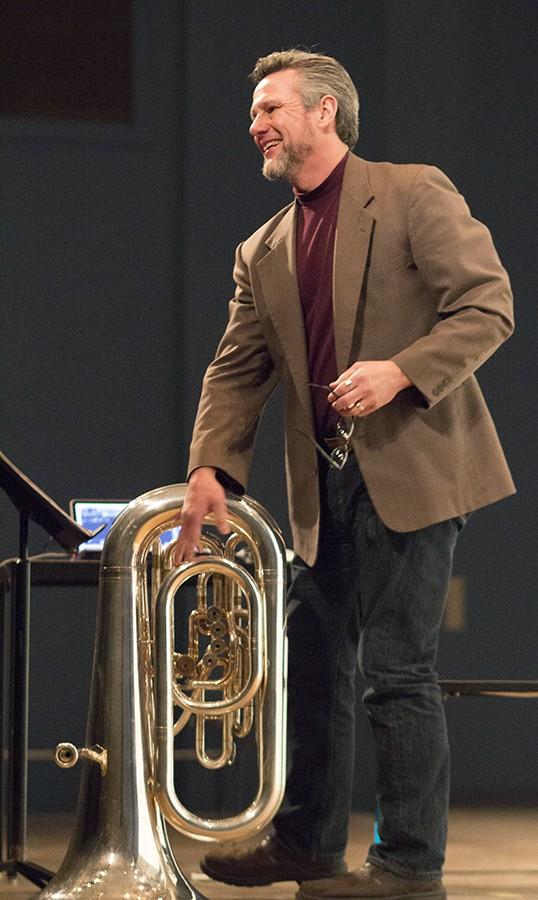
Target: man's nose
[{"x": 258, "y": 126}]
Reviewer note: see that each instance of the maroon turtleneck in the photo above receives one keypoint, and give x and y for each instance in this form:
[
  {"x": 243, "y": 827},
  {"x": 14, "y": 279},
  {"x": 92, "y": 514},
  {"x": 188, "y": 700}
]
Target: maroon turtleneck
[{"x": 316, "y": 228}]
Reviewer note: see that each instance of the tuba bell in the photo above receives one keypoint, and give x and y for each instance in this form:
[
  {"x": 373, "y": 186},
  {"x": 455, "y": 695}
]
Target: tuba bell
[{"x": 230, "y": 676}]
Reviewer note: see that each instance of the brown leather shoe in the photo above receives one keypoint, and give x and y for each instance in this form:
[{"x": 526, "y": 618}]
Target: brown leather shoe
[
  {"x": 370, "y": 882},
  {"x": 267, "y": 862}
]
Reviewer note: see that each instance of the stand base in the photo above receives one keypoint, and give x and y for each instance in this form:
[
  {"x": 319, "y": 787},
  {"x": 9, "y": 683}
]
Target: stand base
[{"x": 31, "y": 871}]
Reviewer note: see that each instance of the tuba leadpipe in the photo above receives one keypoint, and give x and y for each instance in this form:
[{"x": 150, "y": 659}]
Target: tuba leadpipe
[{"x": 144, "y": 691}]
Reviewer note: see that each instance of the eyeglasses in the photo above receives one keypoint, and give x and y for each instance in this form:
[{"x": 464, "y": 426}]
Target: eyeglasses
[{"x": 337, "y": 457}]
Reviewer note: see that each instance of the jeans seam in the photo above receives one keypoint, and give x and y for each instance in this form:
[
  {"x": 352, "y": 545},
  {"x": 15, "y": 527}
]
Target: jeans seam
[
  {"x": 390, "y": 641},
  {"x": 323, "y": 801},
  {"x": 378, "y": 855}
]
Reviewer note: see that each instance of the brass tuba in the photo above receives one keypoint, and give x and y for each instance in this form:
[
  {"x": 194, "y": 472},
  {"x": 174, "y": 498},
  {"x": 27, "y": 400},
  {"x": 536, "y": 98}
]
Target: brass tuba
[{"x": 232, "y": 673}]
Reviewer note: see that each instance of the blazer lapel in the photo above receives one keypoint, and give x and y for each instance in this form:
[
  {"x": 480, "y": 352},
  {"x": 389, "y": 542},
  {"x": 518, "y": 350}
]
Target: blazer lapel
[
  {"x": 353, "y": 234},
  {"x": 278, "y": 278}
]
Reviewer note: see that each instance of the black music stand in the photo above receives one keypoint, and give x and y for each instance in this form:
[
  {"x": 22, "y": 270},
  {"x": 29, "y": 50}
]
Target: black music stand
[{"x": 32, "y": 503}]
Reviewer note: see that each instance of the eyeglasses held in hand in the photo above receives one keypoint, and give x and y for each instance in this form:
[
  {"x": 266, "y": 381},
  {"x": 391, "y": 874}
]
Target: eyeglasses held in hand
[{"x": 338, "y": 457}]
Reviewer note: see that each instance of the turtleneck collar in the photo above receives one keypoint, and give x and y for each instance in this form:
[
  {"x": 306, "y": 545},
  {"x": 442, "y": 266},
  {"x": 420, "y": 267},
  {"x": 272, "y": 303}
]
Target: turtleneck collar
[{"x": 332, "y": 183}]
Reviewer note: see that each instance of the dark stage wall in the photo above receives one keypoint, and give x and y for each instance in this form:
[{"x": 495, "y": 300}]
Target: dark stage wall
[{"x": 117, "y": 244}]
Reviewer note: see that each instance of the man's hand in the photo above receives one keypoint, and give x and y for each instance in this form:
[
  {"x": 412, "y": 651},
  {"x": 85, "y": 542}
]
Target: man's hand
[
  {"x": 367, "y": 386},
  {"x": 204, "y": 495}
]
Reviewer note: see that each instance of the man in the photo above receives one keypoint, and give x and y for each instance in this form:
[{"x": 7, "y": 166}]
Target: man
[{"x": 373, "y": 297}]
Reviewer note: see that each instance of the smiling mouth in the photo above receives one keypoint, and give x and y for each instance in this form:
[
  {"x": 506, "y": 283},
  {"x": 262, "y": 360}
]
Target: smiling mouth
[{"x": 269, "y": 146}]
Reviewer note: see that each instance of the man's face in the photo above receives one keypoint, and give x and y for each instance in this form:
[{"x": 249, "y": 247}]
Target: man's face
[{"x": 281, "y": 126}]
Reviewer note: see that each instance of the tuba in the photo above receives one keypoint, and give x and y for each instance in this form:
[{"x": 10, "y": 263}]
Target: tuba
[{"x": 230, "y": 676}]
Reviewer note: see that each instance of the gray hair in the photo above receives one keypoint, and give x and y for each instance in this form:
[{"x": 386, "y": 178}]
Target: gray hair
[{"x": 321, "y": 75}]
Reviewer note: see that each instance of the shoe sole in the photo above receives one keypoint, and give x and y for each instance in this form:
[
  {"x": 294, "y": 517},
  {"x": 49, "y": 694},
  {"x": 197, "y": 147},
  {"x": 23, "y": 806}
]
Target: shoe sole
[
  {"x": 254, "y": 881},
  {"x": 257, "y": 881},
  {"x": 439, "y": 895}
]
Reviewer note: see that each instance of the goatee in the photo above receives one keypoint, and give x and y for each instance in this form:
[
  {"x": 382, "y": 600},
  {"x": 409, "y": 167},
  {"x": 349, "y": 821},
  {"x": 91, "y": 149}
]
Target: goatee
[{"x": 286, "y": 164}]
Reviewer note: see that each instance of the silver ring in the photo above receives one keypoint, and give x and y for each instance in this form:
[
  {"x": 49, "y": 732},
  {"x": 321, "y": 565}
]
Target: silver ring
[{"x": 357, "y": 404}]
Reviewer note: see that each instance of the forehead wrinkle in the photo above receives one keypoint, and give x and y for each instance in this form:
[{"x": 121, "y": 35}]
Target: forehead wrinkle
[
  {"x": 276, "y": 101},
  {"x": 277, "y": 90}
]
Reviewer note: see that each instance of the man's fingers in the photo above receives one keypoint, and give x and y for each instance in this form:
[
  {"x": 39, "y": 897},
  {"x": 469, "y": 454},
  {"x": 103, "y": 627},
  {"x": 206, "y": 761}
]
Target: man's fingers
[
  {"x": 184, "y": 551},
  {"x": 205, "y": 497},
  {"x": 221, "y": 521},
  {"x": 189, "y": 541},
  {"x": 347, "y": 381},
  {"x": 189, "y": 537},
  {"x": 353, "y": 405},
  {"x": 341, "y": 389}
]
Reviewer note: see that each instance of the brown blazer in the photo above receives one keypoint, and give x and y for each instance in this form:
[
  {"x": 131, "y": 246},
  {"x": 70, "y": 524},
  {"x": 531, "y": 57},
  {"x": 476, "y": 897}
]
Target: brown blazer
[{"x": 417, "y": 280}]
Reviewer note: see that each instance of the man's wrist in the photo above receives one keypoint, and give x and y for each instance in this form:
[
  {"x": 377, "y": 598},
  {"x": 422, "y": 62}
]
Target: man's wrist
[
  {"x": 402, "y": 381},
  {"x": 200, "y": 471},
  {"x": 226, "y": 481}
]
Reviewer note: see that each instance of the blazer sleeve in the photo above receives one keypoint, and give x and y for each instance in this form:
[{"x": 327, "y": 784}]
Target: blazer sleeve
[
  {"x": 459, "y": 265},
  {"x": 236, "y": 386}
]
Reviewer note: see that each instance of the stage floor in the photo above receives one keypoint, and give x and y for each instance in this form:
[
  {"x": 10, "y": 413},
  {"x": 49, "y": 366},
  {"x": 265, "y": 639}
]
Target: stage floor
[{"x": 492, "y": 853}]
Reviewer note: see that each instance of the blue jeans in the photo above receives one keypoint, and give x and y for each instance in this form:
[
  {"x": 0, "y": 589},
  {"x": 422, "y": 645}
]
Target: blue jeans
[{"x": 378, "y": 596}]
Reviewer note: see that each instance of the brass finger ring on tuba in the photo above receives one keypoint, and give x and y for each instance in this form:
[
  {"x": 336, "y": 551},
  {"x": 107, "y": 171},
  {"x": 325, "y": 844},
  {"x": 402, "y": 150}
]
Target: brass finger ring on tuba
[{"x": 144, "y": 691}]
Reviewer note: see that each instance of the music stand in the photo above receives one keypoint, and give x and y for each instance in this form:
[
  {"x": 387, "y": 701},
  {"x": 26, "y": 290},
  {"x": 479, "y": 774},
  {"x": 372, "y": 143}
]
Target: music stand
[{"x": 32, "y": 503}]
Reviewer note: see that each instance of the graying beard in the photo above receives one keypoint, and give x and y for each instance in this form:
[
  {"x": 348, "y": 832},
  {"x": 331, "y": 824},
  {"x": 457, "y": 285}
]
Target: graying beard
[{"x": 287, "y": 164}]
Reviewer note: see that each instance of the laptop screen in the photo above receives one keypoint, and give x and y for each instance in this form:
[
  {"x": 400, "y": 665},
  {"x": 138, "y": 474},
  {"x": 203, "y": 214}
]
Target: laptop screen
[{"x": 93, "y": 514}]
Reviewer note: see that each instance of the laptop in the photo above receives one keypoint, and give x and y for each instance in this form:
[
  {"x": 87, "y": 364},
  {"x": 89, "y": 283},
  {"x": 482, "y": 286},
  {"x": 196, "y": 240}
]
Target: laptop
[{"x": 94, "y": 514}]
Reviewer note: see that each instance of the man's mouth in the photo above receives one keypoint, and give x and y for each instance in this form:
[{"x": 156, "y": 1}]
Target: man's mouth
[{"x": 269, "y": 145}]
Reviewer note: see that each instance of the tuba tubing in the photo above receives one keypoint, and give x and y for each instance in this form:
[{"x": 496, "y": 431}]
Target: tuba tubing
[{"x": 119, "y": 847}]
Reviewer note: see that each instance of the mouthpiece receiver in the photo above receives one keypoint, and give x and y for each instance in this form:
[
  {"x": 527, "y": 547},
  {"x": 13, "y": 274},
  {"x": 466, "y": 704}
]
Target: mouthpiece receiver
[{"x": 66, "y": 755}]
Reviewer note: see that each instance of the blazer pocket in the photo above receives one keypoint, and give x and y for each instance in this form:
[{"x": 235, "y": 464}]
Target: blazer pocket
[{"x": 389, "y": 265}]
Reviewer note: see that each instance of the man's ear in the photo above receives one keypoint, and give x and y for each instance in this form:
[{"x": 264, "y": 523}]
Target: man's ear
[{"x": 328, "y": 107}]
